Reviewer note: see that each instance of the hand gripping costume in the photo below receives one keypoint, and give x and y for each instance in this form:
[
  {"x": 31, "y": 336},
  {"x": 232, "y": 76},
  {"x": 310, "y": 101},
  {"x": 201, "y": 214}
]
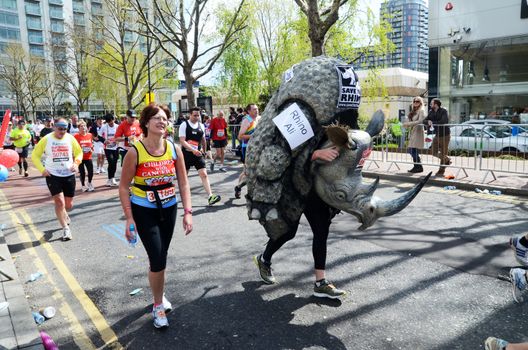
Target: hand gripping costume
[{"x": 279, "y": 179}]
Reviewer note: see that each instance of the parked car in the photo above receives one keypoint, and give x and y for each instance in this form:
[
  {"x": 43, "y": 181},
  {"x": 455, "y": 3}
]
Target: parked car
[{"x": 491, "y": 138}]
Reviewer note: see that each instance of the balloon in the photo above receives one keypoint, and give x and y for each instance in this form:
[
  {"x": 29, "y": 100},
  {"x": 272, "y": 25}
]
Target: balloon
[
  {"x": 4, "y": 173},
  {"x": 8, "y": 158}
]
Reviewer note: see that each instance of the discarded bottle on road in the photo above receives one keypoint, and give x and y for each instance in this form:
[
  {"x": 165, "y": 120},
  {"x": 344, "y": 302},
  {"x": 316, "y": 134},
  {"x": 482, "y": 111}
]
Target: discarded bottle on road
[
  {"x": 449, "y": 188},
  {"x": 133, "y": 234},
  {"x": 496, "y": 192},
  {"x": 478, "y": 190},
  {"x": 39, "y": 319},
  {"x": 35, "y": 276}
]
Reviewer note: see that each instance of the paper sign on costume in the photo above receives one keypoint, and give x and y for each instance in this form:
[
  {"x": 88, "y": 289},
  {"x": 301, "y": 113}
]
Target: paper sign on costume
[{"x": 294, "y": 126}]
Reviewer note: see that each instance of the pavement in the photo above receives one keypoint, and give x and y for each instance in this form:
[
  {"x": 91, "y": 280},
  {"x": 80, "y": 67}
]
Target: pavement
[{"x": 22, "y": 332}]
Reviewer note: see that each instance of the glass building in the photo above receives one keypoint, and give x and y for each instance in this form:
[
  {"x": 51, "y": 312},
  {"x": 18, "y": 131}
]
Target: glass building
[
  {"x": 409, "y": 21},
  {"x": 477, "y": 70}
]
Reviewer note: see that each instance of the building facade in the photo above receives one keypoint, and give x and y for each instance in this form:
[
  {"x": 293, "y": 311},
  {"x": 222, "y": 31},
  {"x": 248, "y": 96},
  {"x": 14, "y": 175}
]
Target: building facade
[
  {"x": 409, "y": 20},
  {"x": 479, "y": 58}
]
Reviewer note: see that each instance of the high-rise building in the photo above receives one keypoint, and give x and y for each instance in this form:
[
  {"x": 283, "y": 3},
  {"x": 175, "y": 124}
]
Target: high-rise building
[{"x": 409, "y": 21}]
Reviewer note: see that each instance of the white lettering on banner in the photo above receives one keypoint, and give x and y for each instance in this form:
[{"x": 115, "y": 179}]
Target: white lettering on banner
[{"x": 294, "y": 126}]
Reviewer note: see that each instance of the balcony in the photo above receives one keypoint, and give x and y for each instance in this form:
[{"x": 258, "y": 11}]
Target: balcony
[
  {"x": 33, "y": 9},
  {"x": 55, "y": 2},
  {"x": 35, "y": 25},
  {"x": 56, "y": 13},
  {"x": 36, "y": 39},
  {"x": 57, "y": 27},
  {"x": 78, "y": 7}
]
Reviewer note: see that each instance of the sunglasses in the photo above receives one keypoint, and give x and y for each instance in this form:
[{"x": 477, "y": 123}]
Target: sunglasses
[
  {"x": 61, "y": 129},
  {"x": 417, "y": 102}
]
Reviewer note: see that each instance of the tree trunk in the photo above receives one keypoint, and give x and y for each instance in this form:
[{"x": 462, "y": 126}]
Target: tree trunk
[
  {"x": 189, "y": 81},
  {"x": 317, "y": 47}
]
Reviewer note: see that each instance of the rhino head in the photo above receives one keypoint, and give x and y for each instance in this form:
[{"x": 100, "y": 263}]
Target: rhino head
[{"x": 340, "y": 184}]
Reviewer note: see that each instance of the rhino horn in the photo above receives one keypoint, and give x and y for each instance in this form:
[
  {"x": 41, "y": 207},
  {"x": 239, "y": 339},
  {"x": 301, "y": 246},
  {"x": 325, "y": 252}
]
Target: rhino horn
[
  {"x": 388, "y": 208},
  {"x": 372, "y": 187},
  {"x": 376, "y": 123}
]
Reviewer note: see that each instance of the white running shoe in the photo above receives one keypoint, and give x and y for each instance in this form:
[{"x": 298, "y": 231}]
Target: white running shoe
[
  {"x": 90, "y": 187},
  {"x": 66, "y": 234},
  {"x": 84, "y": 188},
  {"x": 518, "y": 280},
  {"x": 160, "y": 319},
  {"x": 166, "y": 304},
  {"x": 110, "y": 183},
  {"x": 115, "y": 182},
  {"x": 103, "y": 171},
  {"x": 98, "y": 171}
]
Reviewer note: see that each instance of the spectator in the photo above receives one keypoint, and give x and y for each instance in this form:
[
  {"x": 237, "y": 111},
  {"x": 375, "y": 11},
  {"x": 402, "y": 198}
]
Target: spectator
[
  {"x": 416, "y": 135},
  {"x": 437, "y": 118}
]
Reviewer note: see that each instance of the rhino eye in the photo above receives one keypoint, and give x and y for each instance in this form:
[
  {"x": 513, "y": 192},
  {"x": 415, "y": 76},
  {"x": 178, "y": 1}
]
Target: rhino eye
[
  {"x": 371, "y": 209},
  {"x": 340, "y": 195}
]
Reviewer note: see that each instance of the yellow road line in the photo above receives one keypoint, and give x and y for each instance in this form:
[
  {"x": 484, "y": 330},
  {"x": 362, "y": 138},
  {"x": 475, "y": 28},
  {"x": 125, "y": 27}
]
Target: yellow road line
[
  {"x": 107, "y": 334},
  {"x": 79, "y": 335}
]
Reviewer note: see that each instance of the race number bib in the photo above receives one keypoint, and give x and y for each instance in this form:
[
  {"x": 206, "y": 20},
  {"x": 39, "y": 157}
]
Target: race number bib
[
  {"x": 111, "y": 142},
  {"x": 19, "y": 149},
  {"x": 165, "y": 195},
  {"x": 220, "y": 133},
  {"x": 86, "y": 149},
  {"x": 194, "y": 144},
  {"x": 207, "y": 133}
]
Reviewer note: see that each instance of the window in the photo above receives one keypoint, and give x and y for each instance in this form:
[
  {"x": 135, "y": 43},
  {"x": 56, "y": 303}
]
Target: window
[
  {"x": 35, "y": 37},
  {"x": 55, "y": 12},
  {"x": 33, "y": 8},
  {"x": 78, "y": 6},
  {"x": 9, "y": 19},
  {"x": 8, "y": 4},
  {"x": 57, "y": 26},
  {"x": 97, "y": 9},
  {"x": 9, "y": 33},
  {"x": 36, "y": 50},
  {"x": 78, "y": 19},
  {"x": 34, "y": 23}
]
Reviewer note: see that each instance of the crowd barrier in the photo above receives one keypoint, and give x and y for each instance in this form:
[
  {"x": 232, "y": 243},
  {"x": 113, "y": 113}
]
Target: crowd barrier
[{"x": 486, "y": 147}]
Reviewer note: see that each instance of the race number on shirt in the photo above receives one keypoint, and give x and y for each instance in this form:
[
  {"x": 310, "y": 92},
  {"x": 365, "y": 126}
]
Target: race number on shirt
[
  {"x": 220, "y": 133},
  {"x": 193, "y": 144},
  {"x": 165, "y": 195}
]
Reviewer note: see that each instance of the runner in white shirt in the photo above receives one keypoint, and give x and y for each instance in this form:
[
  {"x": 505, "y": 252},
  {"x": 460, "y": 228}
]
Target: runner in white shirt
[{"x": 108, "y": 132}]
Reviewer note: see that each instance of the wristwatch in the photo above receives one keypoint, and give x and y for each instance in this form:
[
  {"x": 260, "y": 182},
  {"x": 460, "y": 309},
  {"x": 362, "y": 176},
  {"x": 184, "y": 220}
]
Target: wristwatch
[{"x": 187, "y": 211}]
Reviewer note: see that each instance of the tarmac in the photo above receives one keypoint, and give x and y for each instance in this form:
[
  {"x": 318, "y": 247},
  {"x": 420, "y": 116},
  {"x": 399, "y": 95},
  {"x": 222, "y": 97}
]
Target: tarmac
[{"x": 18, "y": 330}]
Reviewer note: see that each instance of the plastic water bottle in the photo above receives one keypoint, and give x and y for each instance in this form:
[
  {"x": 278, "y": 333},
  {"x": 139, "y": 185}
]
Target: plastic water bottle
[
  {"x": 496, "y": 192},
  {"x": 39, "y": 319},
  {"x": 133, "y": 234},
  {"x": 449, "y": 188},
  {"x": 35, "y": 276}
]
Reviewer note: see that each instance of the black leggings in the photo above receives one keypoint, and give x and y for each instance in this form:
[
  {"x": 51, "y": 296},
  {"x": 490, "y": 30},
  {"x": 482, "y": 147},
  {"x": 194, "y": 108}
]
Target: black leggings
[
  {"x": 155, "y": 234},
  {"x": 111, "y": 157},
  {"x": 89, "y": 167},
  {"x": 319, "y": 216}
]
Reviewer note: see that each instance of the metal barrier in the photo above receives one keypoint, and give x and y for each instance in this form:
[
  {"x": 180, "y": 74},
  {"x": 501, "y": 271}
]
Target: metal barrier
[{"x": 488, "y": 147}]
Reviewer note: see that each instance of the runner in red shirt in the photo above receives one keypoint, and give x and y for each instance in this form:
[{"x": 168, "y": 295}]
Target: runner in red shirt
[
  {"x": 85, "y": 139},
  {"x": 128, "y": 132},
  {"x": 218, "y": 128}
]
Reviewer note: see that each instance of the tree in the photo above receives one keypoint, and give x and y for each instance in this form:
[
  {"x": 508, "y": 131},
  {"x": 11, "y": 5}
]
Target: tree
[
  {"x": 24, "y": 75},
  {"x": 53, "y": 87},
  {"x": 179, "y": 31},
  {"x": 319, "y": 22},
  {"x": 121, "y": 51},
  {"x": 73, "y": 65}
]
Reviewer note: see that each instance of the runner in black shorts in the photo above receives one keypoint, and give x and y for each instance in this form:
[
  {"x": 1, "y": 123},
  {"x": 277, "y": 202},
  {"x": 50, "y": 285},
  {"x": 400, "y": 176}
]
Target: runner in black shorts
[
  {"x": 63, "y": 156},
  {"x": 59, "y": 184},
  {"x": 192, "y": 140}
]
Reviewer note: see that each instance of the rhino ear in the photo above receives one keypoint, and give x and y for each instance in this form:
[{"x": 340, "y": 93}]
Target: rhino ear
[
  {"x": 376, "y": 123},
  {"x": 338, "y": 135}
]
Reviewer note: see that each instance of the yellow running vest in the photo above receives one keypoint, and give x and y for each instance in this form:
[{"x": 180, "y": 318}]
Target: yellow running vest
[{"x": 154, "y": 171}]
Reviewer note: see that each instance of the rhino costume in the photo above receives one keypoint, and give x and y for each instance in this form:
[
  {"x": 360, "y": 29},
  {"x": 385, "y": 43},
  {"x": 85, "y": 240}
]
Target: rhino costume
[{"x": 280, "y": 179}]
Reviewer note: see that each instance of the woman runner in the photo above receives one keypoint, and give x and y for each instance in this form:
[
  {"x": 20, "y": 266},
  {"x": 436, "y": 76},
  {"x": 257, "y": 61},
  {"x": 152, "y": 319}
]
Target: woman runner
[{"x": 154, "y": 163}]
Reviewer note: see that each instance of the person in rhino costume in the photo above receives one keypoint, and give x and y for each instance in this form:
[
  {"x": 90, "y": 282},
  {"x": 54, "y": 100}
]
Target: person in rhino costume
[{"x": 320, "y": 177}]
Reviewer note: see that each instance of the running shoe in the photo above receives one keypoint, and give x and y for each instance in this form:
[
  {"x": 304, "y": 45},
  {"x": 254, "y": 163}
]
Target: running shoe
[
  {"x": 90, "y": 187},
  {"x": 160, "y": 319},
  {"x": 223, "y": 169},
  {"x": 84, "y": 188},
  {"x": 103, "y": 171},
  {"x": 325, "y": 289},
  {"x": 493, "y": 343},
  {"x": 265, "y": 272},
  {"x": 98, "y": 171},
  {"x": 518, "y": 280},
  {"x": 214, "y": 198},
  {"x": 166, "y": 304},
  {"x": 26, "y": 174},
  {"x": 66, "y": 234},
  {"x": 211, "y": 166},
  {"x": 115, "y": 182},
  {"x": 521, "y": 252},
  {"x": 238, "y": 192},
  {"x": 109, "y": 183}
]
